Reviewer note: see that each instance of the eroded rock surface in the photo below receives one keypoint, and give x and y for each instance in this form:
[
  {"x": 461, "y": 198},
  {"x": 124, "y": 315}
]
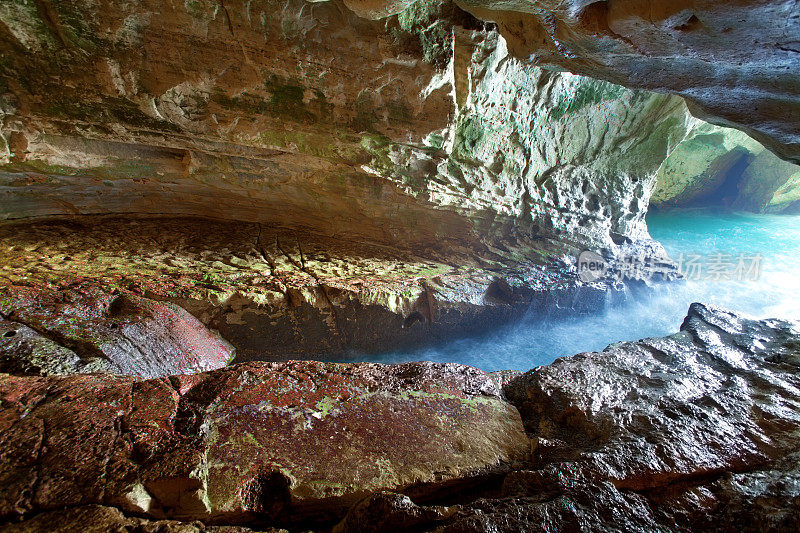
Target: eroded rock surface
[
  {"x": 698, "y": 431},
  {"x": 446, "y": 183},
  {"x": 84, "y": 327},
  {"x": 422, "y": 128},
  {"x": 258, "y": 441},
  {"x": 734, "y": 62},
  {"x": 721, "y": 167},
  {"x": 259, "y": 111},
  {"x": 552, "y": 154}
]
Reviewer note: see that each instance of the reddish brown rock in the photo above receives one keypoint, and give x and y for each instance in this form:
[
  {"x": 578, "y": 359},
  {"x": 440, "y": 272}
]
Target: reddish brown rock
[
  {"x": 252, "y": 442},
  {"x": 100, "y": 519},
  {"x": 699, "y": 431},
  {"x": 85, "y": 328}
]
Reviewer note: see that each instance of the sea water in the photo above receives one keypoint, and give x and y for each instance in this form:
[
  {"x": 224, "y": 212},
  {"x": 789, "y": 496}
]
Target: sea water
[{"x": 743, "y": 262}]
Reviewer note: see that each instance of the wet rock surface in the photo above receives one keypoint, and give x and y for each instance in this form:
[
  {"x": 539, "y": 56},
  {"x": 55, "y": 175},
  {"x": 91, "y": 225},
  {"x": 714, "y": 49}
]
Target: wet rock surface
[
  {"x": 698, "y": 431},
  {"x": 660, "y": 410},
  {"x": 290, "y": 442},
  {"x": 83, "y": 328},
  {"x": 380, "y": 175}
]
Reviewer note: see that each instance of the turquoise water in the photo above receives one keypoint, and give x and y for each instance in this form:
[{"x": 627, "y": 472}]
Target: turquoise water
[{"x": 769, "y": 241}]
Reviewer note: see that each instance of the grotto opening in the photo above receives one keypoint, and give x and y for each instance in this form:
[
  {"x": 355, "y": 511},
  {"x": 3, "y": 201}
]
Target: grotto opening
[{"x": 369, "y": 265}]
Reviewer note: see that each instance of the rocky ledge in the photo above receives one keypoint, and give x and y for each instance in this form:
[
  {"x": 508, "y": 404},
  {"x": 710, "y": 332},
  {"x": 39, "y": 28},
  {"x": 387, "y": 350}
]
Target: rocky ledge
[
  {"x": 690, "y": 48},
  {"x": 289, "y": 443},
  {"x": 696, "y": 431},
  {"x": 153, "y": 298}
]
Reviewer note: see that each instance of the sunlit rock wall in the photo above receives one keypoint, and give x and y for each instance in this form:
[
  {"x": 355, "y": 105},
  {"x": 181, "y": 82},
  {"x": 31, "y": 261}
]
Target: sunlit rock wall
[
  {"x": 721, "y": 167},
  {"x": 559, "y": 155},
  {"x": 736, "y": 63}
]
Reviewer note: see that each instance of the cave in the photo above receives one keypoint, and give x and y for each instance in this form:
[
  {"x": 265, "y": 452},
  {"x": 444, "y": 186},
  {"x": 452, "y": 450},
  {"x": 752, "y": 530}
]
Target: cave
[{"x": 398, "y": 266}]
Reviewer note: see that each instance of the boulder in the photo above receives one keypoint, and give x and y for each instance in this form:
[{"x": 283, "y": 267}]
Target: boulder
[
  {"x": 256, "y": 441},
  {"x": 90, "y": 327},
  {"x": 698, "y": 431}
]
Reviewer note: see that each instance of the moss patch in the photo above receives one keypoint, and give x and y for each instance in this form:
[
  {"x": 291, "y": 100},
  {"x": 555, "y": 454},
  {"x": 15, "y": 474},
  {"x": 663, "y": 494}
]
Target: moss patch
[
  {"x": 287, "y": 98},
  {"x": 471, "y": 132},
  {"x": 424, "y": 20},
  {"x": 588, "y": 93}
]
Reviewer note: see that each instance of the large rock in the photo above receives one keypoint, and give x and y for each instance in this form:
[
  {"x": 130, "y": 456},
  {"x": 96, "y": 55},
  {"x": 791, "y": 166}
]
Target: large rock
[
  {"x": 259, "y": 441},
  {"x": 662, "y": 410},
  {"x": 85, "y": 328},
  {"x": 698, "y": 431}
]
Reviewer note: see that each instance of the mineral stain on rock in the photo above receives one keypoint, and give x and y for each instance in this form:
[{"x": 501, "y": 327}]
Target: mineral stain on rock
[{"x": 86, "y": 329}]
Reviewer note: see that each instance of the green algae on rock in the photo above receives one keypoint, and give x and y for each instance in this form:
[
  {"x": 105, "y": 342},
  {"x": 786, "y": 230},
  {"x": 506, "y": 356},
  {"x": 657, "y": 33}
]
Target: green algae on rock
[
  {"x": 267, "y": 440},
  {"x": 274, "y": 294}
]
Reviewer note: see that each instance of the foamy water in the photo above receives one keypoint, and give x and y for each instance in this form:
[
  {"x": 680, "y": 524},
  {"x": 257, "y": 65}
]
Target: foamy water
[{"x": 716, "y": 242}]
